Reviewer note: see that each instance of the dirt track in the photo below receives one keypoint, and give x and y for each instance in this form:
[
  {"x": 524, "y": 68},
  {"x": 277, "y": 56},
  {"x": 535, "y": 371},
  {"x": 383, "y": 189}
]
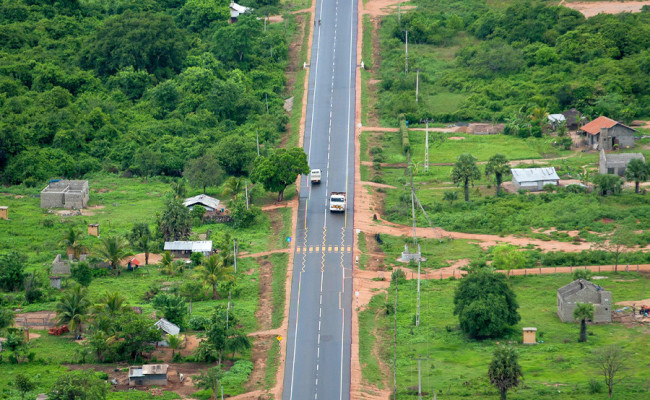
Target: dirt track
[{"x": 592, "y": 8}]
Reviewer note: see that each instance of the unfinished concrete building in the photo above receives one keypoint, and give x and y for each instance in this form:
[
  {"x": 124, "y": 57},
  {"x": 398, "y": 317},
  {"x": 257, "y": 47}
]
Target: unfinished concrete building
[
  {"x": 65, "y": 194},
  {"x": 584, "y": 291}
]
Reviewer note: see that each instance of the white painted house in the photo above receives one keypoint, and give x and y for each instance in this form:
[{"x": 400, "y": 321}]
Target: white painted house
[{"x": 534, "y": 179}]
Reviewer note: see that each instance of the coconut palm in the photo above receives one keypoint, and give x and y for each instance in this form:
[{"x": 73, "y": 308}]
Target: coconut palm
[
  {"x": 72, "y": 241},
  {"x": 72, "y": 309},
  {"x": 113, "y": 249},
  {"x": 234, "y": 186},
  {"x": 498, "y": 166},
  {"x": 112, "y": 304},
  {"x": 582, "y": 313},
  {"x": 212, "y": 271},
  {"x": 637, "y": 171},
  {"x": 175, "y": 342},
  {"x": 167, "y": 261}
]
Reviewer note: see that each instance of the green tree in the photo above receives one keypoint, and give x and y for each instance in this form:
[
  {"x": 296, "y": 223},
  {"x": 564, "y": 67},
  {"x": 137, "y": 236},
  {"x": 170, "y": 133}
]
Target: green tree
[
  {"x": 235, "y": 153},
  {"x": 112, "y": 305},
  {"x": 498, "y": 166},
  {"x": 638, "y": 172},
  {"x": 23, "y": 384},
  {"x": 12, "y": 271},
  {"x": 280, "y": 169},
  {"x": 234, "y": 186},
  {"x": 140, "y": 237},
  {"x": 506, "y": 257},
  {"x": 113, "y": 249},
  {"x": 135, "y": 335},
  {"x": 582, "y": 313},
  {"x": 243, "y": 217},
  {"x": 175, "y": 223},
  {"x": 203, "y": 171},
  {"x": 172, "y": 306},
  {"x": 79, "y": 385},
  {"x": 72, "y": 242},
  {"x": 504, "y": 371},
  {"x": 198, "y": 15},
  {"x": 175, "y": 342},
  {"x": 610, "y": 361},
  {"x": 450, "y": 196},
  {"x": 222, "y": 335},
  {"x": 82, "y": 273},
  {"x": 214, "y": 270},
  {"x": 6, "y": 318},
  {"x": 618, "y": 240},
  {"x": 608, "y": 184},
  {"x": 72, "y": 309},
  {"x": 465, "y": 172},
  {"x": 485, "y": 305}
]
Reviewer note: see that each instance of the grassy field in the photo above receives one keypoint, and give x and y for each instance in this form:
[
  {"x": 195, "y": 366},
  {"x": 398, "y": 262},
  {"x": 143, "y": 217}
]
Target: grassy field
[
  {"x": 439, "y": 253},
  {"x": 457, "y": 367}
]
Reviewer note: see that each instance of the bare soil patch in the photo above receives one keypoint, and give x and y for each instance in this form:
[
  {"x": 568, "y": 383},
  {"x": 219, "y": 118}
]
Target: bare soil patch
[
  {"x": 592, "y": 8},
  {"x": 456, "y": 138},
  {"x": 153, "y": 259},
  {"x": 378, "y": 8}
]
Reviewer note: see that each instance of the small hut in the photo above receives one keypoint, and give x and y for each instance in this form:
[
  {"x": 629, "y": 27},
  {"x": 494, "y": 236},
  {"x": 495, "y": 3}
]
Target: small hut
[{"x": 4, "y": 212}]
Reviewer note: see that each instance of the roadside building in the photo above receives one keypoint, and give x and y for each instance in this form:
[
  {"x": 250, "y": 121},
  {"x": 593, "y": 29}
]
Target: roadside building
[
  {"x": 207, "y": 202},
  {"x": 534, "y": 179},
  {"x": 616, "y": 164},
  {"x": 148, "y": 375},
  {"x": 584, "y": 291},
  {"x": 607, "y": 134},
  {"x": 186, "y": 248}
]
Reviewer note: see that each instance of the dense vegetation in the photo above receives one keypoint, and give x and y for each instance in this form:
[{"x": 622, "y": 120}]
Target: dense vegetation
[
  {"x": 482, "y": 62},
  {"x": 134, "y": 86}
]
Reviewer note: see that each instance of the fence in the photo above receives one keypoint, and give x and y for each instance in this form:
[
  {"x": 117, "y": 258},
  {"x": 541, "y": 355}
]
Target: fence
[{"x": 44, "y": 322}]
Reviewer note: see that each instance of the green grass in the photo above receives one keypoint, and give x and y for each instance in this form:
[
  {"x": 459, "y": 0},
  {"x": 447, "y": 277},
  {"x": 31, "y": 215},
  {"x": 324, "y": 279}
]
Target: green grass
[
  {"x": 438, "y": 253},
  {"x": 43, "y": 376},
  {"x": 443, "y": 102},
  {"x": 457, "y": 366},
  {"x": 370, "y": 369},
  {"x": 140, "y": 395},
  {"x": 272, "y": 364},
  {"x": 280, "y": 262}
]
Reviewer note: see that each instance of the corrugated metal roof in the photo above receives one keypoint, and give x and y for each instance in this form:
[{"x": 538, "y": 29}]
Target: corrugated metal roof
[
  {"x": 534, "y": 174},
  {"x": 556, "y": 118},
  {"x": 135, "y": 372},
  {"x": 240, "y": 9},
  {"x": 155, "y": 369},
  {"x": 201, "y": 246},
  {"x": 202, "y": 199},
  {"x": 167, "y": 327}
]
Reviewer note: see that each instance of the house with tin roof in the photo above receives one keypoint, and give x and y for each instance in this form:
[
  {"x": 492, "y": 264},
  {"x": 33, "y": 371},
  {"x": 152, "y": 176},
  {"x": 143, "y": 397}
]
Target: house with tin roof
[
  {"x": 534, "y": 179},
  {"x": 184, "y": 249},
  {"x": 607, "y": 134},
  {"x": 148, "y": 375},
  {"x": 207, "y": 202}
]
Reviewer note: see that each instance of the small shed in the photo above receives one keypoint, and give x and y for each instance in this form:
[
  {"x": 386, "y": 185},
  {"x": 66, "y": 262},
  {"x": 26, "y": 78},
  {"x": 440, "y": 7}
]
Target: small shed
[
  {"x": 60, "y": 266},
  {"x": 55, "y": 282},
  {"x": 236, "y": 9},
  {"x": 607, "y": 134},
  {"x": 147, "y": 375},
  {"x": 534, "y": 179},
  {"x": 529, "y": 335},
  {"x": 168, "y": 328},
  {"x": 616, "y": 164},
  {"x": 4, "y": 212},
  {"x": 207, "y": 202},
  {"x": 556, "y": 120},
  {"x": 584, "y": 291},
  {"x": 185, "y": 248},
  {"x": 93, "y": 230}
]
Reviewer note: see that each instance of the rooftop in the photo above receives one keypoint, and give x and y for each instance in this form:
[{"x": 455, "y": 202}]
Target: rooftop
[
  {"x": 534, "y": 174},
  {"x": 167, "y": 327},
  {"x": 202, "y": 199},
  {"x": 154, "y": 369},
  {"x": 621, "y": 157},
  {"x": 195, "y": 247},
  {"x": 576, "y": 286},
  {"x": 594, "y": 127}
]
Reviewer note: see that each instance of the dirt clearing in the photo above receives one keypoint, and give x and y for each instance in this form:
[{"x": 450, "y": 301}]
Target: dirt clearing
[{"x": 592, "y": 8}]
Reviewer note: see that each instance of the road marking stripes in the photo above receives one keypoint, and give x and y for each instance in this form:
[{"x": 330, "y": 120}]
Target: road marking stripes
[{"x": 323, "y": 249}]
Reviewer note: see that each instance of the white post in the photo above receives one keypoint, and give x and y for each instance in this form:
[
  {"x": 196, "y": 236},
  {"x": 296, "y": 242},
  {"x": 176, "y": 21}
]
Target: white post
[
  {"x": 417, "y": 311},
  {"x": 246, "y": 188},
  {"x": 419, "y": 377},
  {"x": 426, "y": 149}
]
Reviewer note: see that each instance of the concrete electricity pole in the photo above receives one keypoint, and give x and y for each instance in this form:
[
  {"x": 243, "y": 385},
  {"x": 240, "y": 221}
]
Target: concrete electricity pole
[
  {"x": 406, "y": 60},
  {"x": 420, "y": 358}
]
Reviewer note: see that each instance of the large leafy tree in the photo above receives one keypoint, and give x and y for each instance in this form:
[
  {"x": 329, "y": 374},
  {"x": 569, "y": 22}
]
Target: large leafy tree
[
  {"x": 638, "y": 172},
  {"x": 141, "y": 238},
  {"x": 144, "y": 40},
  {"x": 213, "y": 270},
  {"x": 280, "y": 169},
  {"x": 485, "y": 305},
  {"x": 235, "y": 154},
  {"x": 135, "y": 334},
  {"x": 608, "y": 184},
  {"x": 504, "y": 371},
  {"x": 172, "y": 306},
  {"x": 203, "y": 171},
  {"x": 499, "y": 167},
  {"x": 79, "y": 385},
  {"x": 73, "y": 308},
  {"x": 222, "y": 335},
  {"x": 582, "y": 313},
  {"x": 175, "y": 223},
  {"x": 465, "y": 172},
  {"x": 112, "y": 305},
  {"x": 113, "y": 249},
  {"x": 12, "y": 271}
]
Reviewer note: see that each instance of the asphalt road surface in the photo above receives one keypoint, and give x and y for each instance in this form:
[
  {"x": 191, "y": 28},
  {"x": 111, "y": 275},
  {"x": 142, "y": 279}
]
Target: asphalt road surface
[{"x": 318, "y": 339}]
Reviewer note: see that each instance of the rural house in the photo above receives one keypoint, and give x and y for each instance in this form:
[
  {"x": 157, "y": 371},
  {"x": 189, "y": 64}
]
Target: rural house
[
  {"x": 168, "y": 328},
  {"x": 534, "y": 179},
  {"x": 583, "y": 291},
  {"x": 616, "y": 163},
  {"x": 147, "y": 375},
  {"x": 207, "y": 202},
  {"x": 555, "y": 120},
  {"x": 573, "y": 118},
  {"x": 607, "y": 134},
  {"x": 184, "y": 249},
  {"x": 65, "y": 194},
  {"x": 236, "y": 9}
]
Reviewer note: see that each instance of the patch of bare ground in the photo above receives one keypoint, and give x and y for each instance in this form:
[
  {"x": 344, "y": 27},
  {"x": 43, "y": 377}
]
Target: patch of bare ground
[
  {"x": 140, "y": 257},
  {"x": 593, "y": 8},
  {"x": 456, "y": 138},
  {"x": 378, "y": 8}
]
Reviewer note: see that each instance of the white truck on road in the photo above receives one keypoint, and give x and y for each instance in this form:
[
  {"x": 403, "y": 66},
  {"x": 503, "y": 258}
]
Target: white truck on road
[
  {"x": 315, "y": 175},
  {"x": 337, "y": 201}
]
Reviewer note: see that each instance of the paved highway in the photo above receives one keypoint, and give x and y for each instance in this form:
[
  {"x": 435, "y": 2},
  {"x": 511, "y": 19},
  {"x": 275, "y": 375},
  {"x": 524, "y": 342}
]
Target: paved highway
[{"x": 318, "y": 339}]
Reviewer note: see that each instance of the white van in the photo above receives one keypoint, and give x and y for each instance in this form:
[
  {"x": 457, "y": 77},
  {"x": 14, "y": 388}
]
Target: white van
[{"x": 315, "y": 175}]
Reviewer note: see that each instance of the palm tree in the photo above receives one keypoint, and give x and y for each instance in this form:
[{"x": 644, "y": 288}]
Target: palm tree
[
  {"x": 504, "y": 371},
  {"x": 166, "y": 261},
  {"x": 113, "y": 249},
  {"x": 450, "y": 196},
  {"x": 466, "y": 172},
  {"x": 175, "y": 342},
  {"x": 636, "y": 171},
  {"x": 72, "y": 309},
  {"x": 72, "y": 241},
  {"x": 582, "y": 313},
  {"x": 112, "y": 304},
  {"x": 498, "y": 166},
  {"x": 237, "y": 342},
  {"x": 234, "y": 186},
  {"x": 212, "y": 271}
]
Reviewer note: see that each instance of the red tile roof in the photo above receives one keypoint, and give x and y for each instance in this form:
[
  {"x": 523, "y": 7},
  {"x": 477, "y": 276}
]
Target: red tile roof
[{"x": 594, "y": 126}]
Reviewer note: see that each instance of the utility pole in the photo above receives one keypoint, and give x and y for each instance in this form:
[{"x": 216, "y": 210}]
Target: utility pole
[
  {"x": 395, "y": 345},
  {"x": 257, "y": 140},
  {"x": 426, "y": 149},
  {"x": 234, "y": 247},
  {"x": 246, "y": 189},
  {"x": 417, "y": 309},
  {"x": 417, "y": 84},
  {"x": 420, "y": 358},
  {"x": 406, "y": 60}
]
